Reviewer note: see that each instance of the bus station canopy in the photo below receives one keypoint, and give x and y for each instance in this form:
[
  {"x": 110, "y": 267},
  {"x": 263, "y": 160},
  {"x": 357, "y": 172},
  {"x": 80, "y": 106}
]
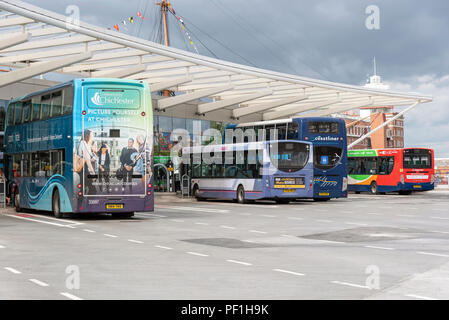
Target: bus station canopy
[{"x": 34, "y": 41}]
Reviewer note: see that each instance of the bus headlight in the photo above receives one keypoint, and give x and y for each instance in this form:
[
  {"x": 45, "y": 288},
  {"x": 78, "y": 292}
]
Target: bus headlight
[{"x": 344, "y": 186}]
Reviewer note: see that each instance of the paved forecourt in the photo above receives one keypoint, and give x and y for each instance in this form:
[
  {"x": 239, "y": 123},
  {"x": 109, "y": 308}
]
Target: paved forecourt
[{"x": 364, "y": 247}]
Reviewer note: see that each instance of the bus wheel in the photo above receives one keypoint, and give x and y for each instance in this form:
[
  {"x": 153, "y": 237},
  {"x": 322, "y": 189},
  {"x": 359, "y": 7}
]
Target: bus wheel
[
  {"x": 17, "y": 202},
  {"x": 126, "y": 215},
  {"x": 374, "y": 189},
  {"x": 405, "y": 193},
  {"x": 240, "y": 194},
  {"x": 56, "y": 205},
  {"x": 196, "y": 192},
  {"x": 283, "y": 201},
  {"x": 357, "y": 192}
]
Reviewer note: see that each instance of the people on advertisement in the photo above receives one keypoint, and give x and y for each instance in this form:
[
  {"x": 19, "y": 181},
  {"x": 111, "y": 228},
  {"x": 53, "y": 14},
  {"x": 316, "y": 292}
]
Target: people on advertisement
[
  {"x": 104, "y": 162},
  {"x": 87, "y": 150},
  {"x": 128, "y": 163},
  {"x": 143, "y": 159}
]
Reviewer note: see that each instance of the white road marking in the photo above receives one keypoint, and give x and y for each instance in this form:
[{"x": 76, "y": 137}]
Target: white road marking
[
  {"x": 385, "y": 207},
  {"x": 70, "y": 296},
  {"x": 135, "y": 241},
  {"x": 163, "y": 247},
  {"x": 331, "y": 241},
  {"x": 228, "y": 227},
  {"x": 287, "y": 236},
  {"x": 39, "y": 283},
  {"x": 436, "y": 209},
  {"x": 406, "y": 215},
  {"x": 295, "y": 218},
  {"x": 323, "y": 220},
  {"x": 440, "y": 218},
  {"x": 375, "y": 214},
  {"x": 245, "y": 214},
  {"x": 433, "y": 254},
  {"x": 209, "y": 210},
  {"x": 88, "y": 230},
  {"x": 57, "y": 219},
  {"x": 350, "y": 284},
  {"x": 413, "y": 208},
  {"x": 176, "y": 220},
  {"x": 419, "y": 297},
  {"x": 150, "y": 215},
  {"x": 2, "y": 247},
  {"x": 240, "y": 262},
  {"x": 110, "y": 235},
  {"x": 36, "y": 220},
  {"x": 257, "y": 231},
  {"x": 268, "y": 216},
  {"x": 13, "y": 270},
  {"x": 380, "y": 248},
  {"x": 289, "y": 272},
  {"x": 356, "y": 223},
  {"x": 321, "y": 210},
  {"x": 443, "y": 232},
  {"x": 197, "y": 254},
  {"x": 202, "y": 223}
]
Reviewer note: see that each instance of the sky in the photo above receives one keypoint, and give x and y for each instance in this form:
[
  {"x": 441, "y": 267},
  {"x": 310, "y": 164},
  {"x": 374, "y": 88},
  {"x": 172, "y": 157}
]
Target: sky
[{"x": 324, "y": 39}]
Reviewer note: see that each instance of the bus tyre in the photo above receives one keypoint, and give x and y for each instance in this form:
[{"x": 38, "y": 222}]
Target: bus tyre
[
  {"x": 17, "y": 202},
  {"x": 283, "y": 201},
  {"x": 56, "y": 206},
  {"x": 374, "y": 189},
  {"x": 405, "y": 192},
  {"x": 196, "y": 193},
  {"x": 241, "y": 195}
]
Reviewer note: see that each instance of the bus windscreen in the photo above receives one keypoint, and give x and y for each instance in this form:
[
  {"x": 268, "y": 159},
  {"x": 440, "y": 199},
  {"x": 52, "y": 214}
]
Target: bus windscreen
[
  {"x": 417, "y": 159},
  {"x": 289, "y": 156}
]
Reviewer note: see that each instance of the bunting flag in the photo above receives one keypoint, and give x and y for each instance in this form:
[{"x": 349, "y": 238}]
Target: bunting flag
[
  {"x": 183, "y": 27},
  {"x": 131, "y": 19},
  {"x": 140, "y": 16},
  {"x": 116, "y": 27}
]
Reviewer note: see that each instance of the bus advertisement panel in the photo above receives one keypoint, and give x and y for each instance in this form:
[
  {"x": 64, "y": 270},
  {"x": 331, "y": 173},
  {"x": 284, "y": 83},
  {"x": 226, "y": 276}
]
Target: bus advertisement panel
[{"x": 391, "y": 170}]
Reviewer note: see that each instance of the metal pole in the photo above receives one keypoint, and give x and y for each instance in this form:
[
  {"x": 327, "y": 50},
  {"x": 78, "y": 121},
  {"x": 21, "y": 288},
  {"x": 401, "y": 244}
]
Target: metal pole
[{"x": 383, "y": 125}]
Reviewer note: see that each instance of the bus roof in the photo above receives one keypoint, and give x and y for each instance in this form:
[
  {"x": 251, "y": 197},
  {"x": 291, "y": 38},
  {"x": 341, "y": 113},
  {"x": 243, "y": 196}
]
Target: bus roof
[
  {"x": 76, "y": 81},
  {"x": 288, "y": 120}
]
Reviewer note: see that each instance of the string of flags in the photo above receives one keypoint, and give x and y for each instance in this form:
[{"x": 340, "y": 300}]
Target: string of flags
[
  {"x": 126, "y": 21},
  {"x": 172, "y": 11}
]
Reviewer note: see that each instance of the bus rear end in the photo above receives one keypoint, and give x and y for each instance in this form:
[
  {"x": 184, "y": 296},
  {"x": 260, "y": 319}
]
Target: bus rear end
[
  {"x": 418, "y": 170},
  {"x": 113, "y": 145},
  {"x": 328, "y": 136}
]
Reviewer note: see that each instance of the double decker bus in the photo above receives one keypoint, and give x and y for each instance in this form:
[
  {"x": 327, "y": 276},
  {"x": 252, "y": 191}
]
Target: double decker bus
[
  {"x": 82, "y": 146},
  {"x": 391, "y": 170},
  {"x": 275, "y": 170},
  {"x": 328, "y": 136}
]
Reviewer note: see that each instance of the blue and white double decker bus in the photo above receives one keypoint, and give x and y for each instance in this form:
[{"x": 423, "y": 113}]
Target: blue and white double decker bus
[
  {"x": 328, "y": 136},
  {"x": 275, "y": 170},
  {"x": 82, "y": 146}
]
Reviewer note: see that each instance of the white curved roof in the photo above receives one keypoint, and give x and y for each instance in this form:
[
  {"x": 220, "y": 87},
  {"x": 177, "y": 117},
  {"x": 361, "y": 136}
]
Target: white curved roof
[{"x": 35, "y": 41}]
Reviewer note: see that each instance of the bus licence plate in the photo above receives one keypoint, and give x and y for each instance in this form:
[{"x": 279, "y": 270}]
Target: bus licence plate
[
  {"x": 323, "y": 193},
  {"x": 417, "y": 186},
  {"x": 114, "y": 206},
  {"x": 289, "y": 190}
]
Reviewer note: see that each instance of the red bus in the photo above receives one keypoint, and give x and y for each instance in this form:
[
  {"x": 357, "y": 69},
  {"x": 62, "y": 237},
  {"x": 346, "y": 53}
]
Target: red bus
[{"x": 391, "y": 170}]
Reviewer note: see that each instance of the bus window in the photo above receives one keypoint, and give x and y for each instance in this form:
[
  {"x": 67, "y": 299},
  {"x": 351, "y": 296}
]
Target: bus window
[
  {"x": 323, "y": 127},
  {"x": 45, "y": 105},
  {"x": 10, "y": 114},
  {"x": 325, "y": 157},
  {"x": 292, "y": 131},
  {"x": 18, "y": 113},
  {"x": 281, "y": 131},
  {"x": 417, "y": 159},
  {"x": 385, "y": 165},
  {"x": 26, "y": 111},
  {"x": 67, "y": 105},
  {"x": 289, "y": 157},
  {"x": 56, "y": 104},
  {"x": 36, "y": 109},
  {"x": 57, "y": 161},
  {"x": 270, "y": 132},
  {"x": 26, "y": 165}
]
